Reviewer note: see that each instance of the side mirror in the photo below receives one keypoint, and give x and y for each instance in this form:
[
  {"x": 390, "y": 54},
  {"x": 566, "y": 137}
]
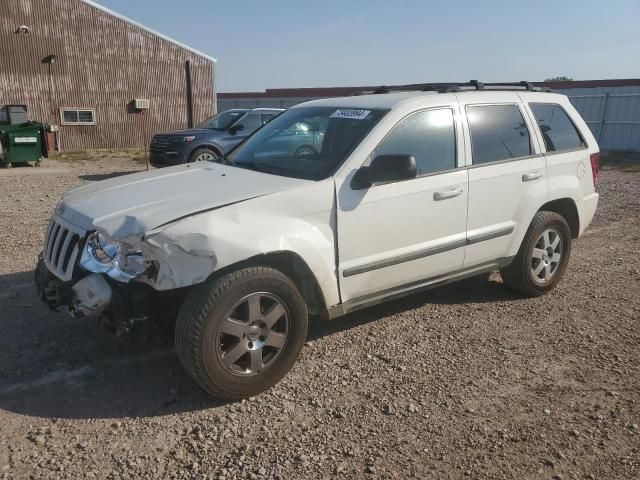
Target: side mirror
[
  {"x": 236, "y": 128},
  {"x": 385, "y": 168}
]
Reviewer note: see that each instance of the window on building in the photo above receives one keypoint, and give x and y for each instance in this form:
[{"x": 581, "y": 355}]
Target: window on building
[
  {"x": 429, "y": 136},
  {"x": 78, "y": 116},
  {"x": 498, "y": 132},
  {"x": 557, "y": 129}
]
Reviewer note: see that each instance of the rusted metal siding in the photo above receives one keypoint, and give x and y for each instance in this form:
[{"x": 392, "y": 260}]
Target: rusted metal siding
[{"x": 102, "y": 62}]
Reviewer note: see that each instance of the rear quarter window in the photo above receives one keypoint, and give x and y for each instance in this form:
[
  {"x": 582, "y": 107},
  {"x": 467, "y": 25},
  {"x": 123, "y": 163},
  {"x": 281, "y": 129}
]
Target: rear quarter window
[
  {"x": 498, "y": 132},
  {"x": 558, "y": 131}
]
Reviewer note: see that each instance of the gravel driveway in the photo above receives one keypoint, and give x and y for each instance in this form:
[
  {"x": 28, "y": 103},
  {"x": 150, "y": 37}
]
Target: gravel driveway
[{"x": 466, "y": 381}]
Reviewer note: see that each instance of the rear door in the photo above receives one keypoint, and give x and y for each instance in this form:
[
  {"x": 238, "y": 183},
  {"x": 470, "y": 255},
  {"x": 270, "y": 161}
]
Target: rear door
[{"x": 507, "y": 176}]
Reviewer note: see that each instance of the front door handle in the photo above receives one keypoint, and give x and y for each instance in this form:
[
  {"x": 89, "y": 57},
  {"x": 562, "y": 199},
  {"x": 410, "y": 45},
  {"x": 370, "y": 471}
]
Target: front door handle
[
  {"x": 449, "y": 193},
  {"x": 529, "y": 176}
]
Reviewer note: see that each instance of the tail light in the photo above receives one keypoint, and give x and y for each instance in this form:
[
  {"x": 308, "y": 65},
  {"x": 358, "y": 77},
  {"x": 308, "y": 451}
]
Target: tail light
[{"x": 595, "y": 168}]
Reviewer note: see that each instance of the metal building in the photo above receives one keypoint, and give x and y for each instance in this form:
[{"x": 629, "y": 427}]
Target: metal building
[
  {"x": 611, "y": 108},
  {"x": 80, "y": 66}
]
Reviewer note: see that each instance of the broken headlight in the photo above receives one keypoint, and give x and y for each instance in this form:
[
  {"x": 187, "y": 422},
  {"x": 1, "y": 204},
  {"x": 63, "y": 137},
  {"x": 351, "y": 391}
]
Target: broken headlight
[{"x": 103, "y": 254}]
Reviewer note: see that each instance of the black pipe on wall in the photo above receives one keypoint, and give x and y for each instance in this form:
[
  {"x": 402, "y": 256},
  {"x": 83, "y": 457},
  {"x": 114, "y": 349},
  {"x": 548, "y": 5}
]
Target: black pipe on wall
[{"x": 187, "y": 68}]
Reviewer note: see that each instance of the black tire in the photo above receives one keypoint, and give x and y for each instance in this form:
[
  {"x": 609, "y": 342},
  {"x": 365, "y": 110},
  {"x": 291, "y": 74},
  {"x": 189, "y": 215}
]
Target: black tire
[
  {"x": 519, "y": 275},
  {"x": 203, "y": 151},
  {"x": 305, "y": 150},
  {"x": 199, "y": 322}
]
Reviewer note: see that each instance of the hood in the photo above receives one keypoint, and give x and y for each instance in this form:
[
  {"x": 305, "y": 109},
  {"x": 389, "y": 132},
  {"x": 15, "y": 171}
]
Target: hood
[{"x": 134, "y": 204}]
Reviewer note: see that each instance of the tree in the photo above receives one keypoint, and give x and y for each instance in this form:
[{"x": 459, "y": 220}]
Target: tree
[{"x": 560, "y": 78}]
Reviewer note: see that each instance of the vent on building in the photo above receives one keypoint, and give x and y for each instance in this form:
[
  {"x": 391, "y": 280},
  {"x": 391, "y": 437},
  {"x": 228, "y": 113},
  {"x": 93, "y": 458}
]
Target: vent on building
[
  {"x": 78, "y": 116},
  {"x": 142, "y": 103}
]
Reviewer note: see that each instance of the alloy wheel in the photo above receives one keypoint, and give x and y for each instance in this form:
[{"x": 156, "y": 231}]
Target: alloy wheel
[
  {"x": 205, "y": 157},
  {"x": 253, "y": 334},
  {"x": 546, "y": 256}
]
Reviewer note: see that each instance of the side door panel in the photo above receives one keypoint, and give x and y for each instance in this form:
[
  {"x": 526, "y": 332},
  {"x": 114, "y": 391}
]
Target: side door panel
[
  {"x": 503, "y": 196},
  {"x": 502, "y": 200},
  {"x": 394, "y": 234}
]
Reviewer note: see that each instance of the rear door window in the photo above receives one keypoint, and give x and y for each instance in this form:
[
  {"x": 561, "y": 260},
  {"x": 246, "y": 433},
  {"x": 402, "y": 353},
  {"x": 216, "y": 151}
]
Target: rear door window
[
  {"x": 498, "y": 132},
  {"x": 557, "y": 129}
]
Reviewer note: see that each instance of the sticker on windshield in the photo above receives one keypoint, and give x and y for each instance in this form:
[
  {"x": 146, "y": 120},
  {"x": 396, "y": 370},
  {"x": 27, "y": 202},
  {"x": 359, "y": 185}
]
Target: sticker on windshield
[{"x": 350, "y": 113}]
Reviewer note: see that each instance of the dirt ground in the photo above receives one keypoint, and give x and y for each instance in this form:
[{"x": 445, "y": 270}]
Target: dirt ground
[{"x": 466, "y": 381}]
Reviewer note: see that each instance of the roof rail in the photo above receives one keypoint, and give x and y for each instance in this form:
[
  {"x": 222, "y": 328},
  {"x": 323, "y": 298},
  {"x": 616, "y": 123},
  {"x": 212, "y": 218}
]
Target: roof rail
[{"x": 456, "y": 87}]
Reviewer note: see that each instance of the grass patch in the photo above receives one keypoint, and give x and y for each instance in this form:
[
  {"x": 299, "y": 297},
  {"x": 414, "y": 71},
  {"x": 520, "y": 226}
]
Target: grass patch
[
  {"x": 135, "y": 155},
  {"x": 624, "y": 161}
]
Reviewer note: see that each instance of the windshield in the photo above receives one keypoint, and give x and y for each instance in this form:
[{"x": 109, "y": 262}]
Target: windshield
[
  {"x": 307, "y": 142},
  {"x": 222, "y": 121}
]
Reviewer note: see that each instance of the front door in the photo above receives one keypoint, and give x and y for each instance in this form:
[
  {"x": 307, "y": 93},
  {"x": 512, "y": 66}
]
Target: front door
[{"x": 394, "y": 234}]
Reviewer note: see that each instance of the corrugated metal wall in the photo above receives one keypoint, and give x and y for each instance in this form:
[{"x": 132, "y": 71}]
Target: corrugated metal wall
[
  {"x": 275, "y": 102},
  {"x": 617, "y": 127},
  {"x": 101, "y": 62},
  {"x": 612, "y": 113}
]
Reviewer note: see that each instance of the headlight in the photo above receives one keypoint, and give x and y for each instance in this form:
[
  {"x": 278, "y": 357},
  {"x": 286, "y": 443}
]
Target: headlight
[
  {"x": 101, "y": 249},
  {"x": 103, "y": 254}
]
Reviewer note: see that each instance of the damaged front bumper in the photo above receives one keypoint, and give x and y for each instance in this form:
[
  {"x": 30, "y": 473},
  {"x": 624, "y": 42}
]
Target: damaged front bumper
[
  {"x": 116, "y": 306},
  {"x": 89, "y": 296}
]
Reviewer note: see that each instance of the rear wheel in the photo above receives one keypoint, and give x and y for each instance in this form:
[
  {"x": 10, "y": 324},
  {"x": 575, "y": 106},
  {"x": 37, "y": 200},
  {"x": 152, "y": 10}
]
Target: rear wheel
[
  {"x": 203, "y": 155},
  {"x": 543, "y": 256},
  {"x": 240, "y": 334}
]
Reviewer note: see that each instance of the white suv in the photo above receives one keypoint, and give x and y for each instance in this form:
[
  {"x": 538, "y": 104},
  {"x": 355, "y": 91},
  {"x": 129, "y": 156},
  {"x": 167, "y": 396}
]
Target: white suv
[{"x": 401, "y": 192}]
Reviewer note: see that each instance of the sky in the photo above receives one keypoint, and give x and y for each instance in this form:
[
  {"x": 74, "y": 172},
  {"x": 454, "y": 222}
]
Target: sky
[{"x": 263, "y": 44}]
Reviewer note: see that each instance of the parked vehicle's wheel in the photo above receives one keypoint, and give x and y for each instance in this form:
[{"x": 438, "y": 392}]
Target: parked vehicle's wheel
[
  {"x": 305, "y": 151},
  {"x": 543, "y": 256},
  {"x": 203, "y": 155},
  {"x": 239, "y": 334}
]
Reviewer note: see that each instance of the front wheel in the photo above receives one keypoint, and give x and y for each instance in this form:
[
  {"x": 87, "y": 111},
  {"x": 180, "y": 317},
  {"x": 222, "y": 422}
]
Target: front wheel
[
  {"x": 203, "y": 155},
  {"x": 239, "y": 334},
  {"x": 543, "y": 256}
]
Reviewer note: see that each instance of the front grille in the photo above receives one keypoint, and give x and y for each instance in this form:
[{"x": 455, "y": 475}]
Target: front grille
[
  {"x": 61, "y": 249},
  {"x": 159, "y": 143}
]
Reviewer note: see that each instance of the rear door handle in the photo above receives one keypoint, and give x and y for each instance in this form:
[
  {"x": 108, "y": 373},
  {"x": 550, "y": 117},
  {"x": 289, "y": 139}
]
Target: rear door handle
[
  {"x": 529, "y": 176},
  {"x": 449, "y": 193}
]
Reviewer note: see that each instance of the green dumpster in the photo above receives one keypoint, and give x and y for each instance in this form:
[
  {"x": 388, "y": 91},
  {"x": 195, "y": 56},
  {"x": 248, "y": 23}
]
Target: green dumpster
[{"x": 20, "y": 139}]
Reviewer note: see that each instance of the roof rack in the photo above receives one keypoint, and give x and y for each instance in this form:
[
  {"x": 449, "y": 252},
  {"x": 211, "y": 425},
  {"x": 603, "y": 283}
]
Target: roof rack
[{"x": 457, "y": 87}]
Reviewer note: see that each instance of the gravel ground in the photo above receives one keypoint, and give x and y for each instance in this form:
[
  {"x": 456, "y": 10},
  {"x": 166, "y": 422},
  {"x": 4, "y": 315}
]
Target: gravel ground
[{"x": 466, "y": 381}]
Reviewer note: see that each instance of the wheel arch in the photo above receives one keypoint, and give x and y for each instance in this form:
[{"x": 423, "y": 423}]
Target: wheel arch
[
  {"x": 566, "y": 208},
  {"x": 209, "y": 146},
  {"x": 293, "y": 266}
]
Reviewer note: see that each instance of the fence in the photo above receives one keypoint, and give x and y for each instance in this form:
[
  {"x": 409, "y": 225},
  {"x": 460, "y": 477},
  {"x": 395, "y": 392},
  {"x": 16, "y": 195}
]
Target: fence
[
  {"x": 612, "y": 112},
  {"x": 613, "y": 116}
]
